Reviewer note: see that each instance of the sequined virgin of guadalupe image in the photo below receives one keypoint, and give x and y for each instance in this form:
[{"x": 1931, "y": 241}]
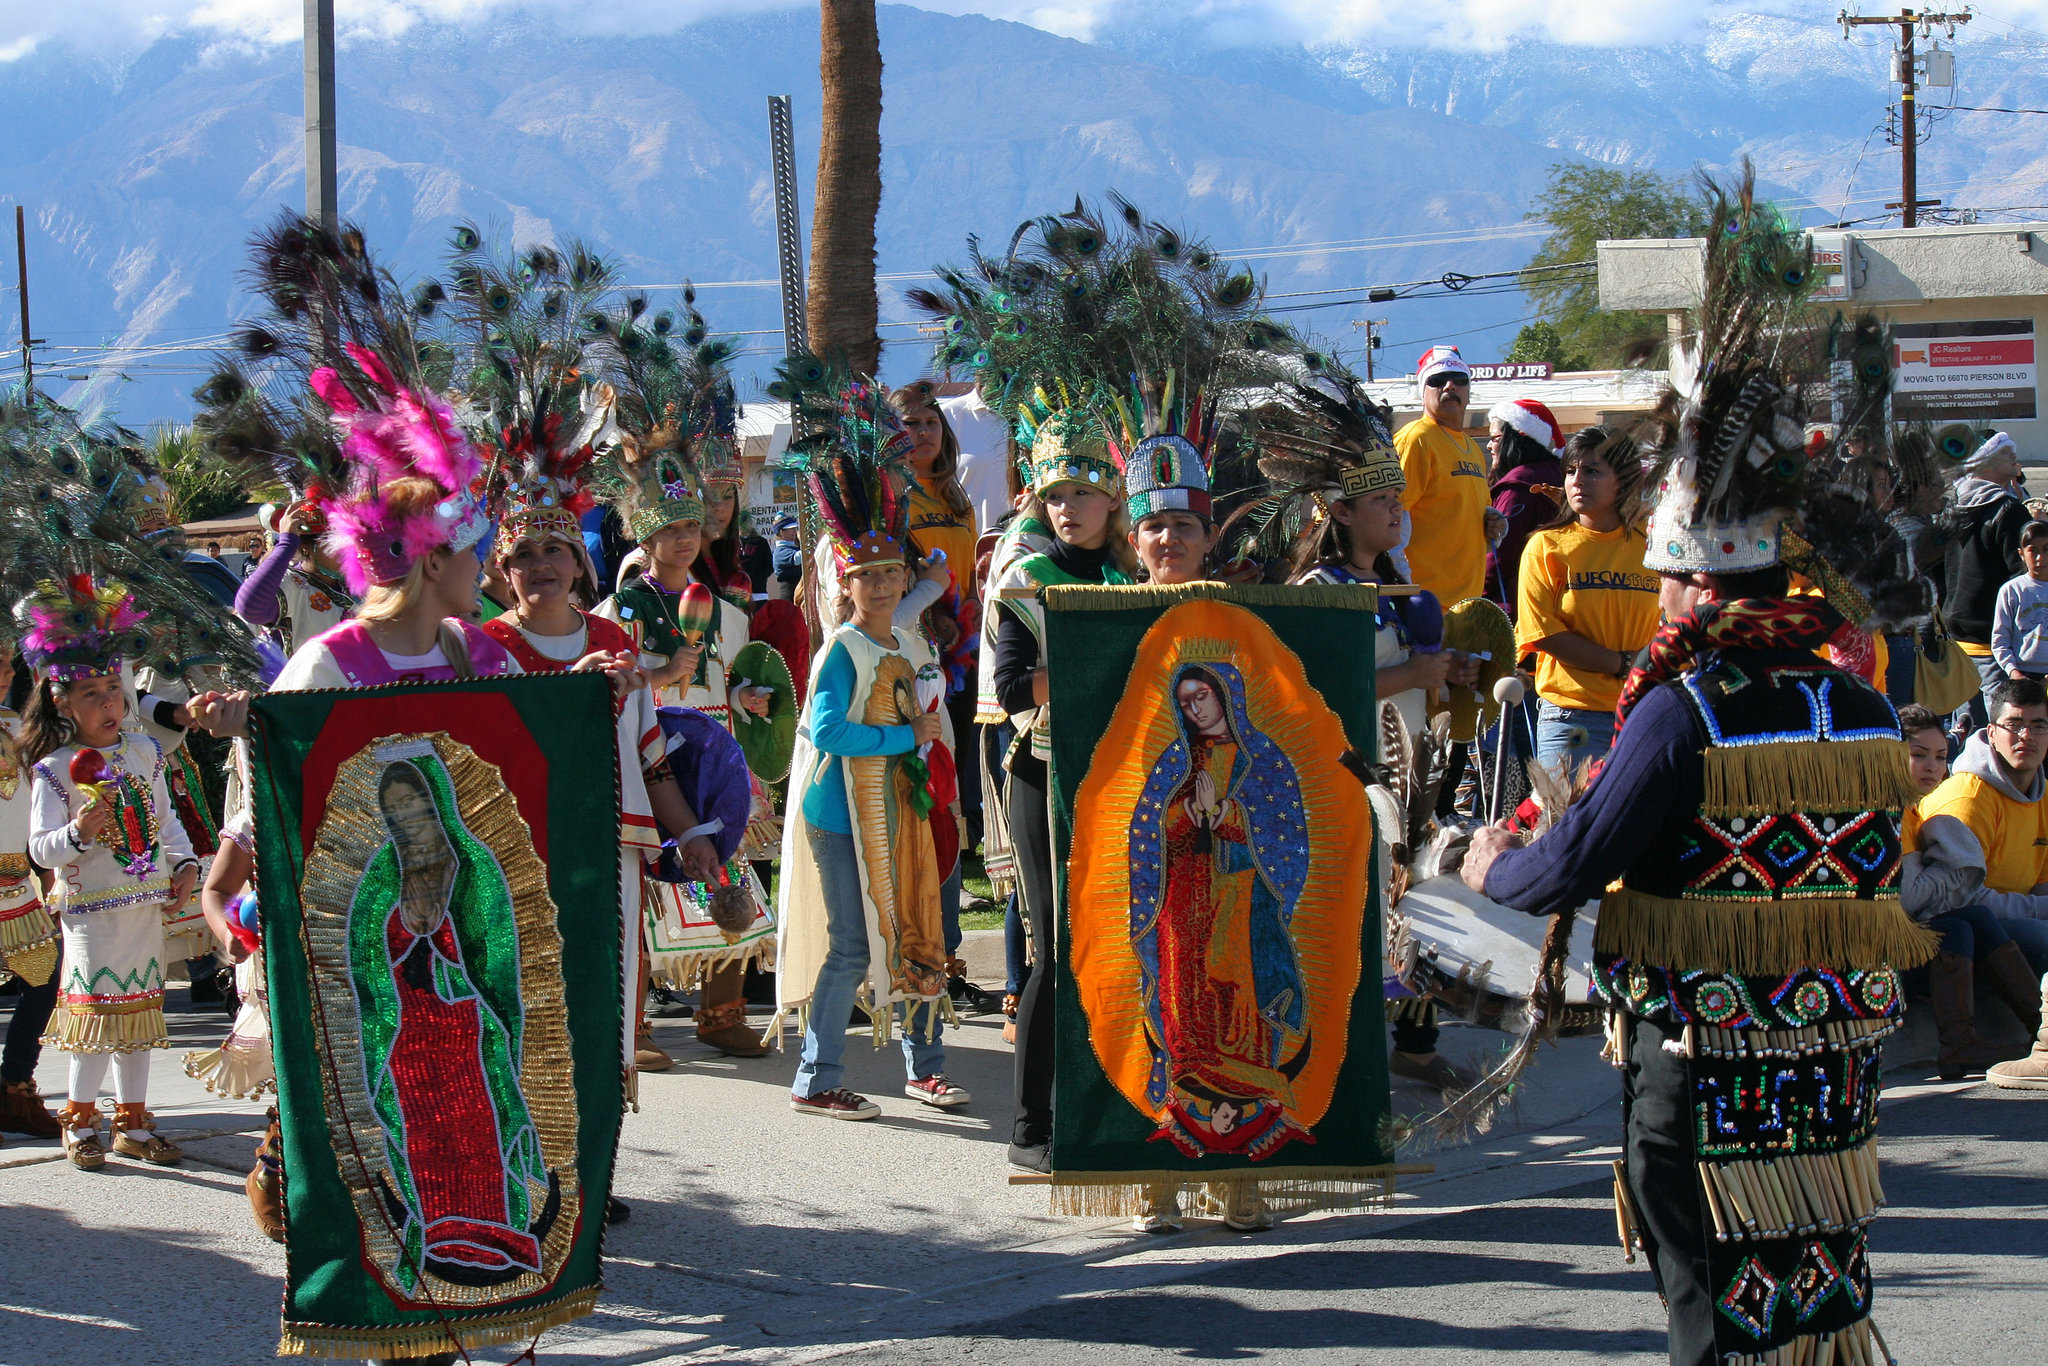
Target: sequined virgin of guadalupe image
[
  {"x": 1217, "y": 863},
  {"x": 452, "y": 988},
  {"x": 1233, "y": 924}
]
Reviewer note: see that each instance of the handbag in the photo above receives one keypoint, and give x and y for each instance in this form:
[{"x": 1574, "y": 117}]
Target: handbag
[{"x": 1944, "y": 678}]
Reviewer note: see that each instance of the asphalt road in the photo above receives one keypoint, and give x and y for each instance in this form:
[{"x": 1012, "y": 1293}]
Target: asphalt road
[
  {"x": 761, "y": 1237},
  {"x": 1959, "y": 1258}
]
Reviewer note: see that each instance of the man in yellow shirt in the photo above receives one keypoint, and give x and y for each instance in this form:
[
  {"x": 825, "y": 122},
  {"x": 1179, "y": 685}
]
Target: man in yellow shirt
[
  {"x": 1446, "y": 496},
  {"x": 1977, "y": 852}
]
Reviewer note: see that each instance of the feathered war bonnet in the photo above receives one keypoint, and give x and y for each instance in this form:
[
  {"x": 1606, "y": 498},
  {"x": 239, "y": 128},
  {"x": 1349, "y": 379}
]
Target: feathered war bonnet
[
  {"x": 675, "y": 420},
  {"x": 514, "y": 335},
  {"x": 1321, "y": 438},
  {"x": 857, "y": 453},
  {"x": 1733, "y": 481}
]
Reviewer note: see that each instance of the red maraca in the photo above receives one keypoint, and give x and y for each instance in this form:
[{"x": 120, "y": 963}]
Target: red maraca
[
  {"x": 89, "y": 771},
  {"x": 698, "y": 605}
]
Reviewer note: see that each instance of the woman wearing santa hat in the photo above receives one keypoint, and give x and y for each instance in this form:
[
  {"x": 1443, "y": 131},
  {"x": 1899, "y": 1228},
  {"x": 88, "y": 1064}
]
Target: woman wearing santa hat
[{"x": 1522, "y": 443}]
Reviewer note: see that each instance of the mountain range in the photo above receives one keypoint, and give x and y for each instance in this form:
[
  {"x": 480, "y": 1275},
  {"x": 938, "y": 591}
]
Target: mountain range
[{"x": 1329, "y": 167}]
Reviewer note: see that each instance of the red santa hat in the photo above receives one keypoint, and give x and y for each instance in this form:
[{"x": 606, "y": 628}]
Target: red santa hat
[
  {"x": 1439, "y": 360},
  {"x": 1531, "y": 419}
]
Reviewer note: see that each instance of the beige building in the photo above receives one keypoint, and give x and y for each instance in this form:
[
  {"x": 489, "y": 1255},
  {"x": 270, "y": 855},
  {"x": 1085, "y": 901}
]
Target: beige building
[{"x": 1966, "y": 305}]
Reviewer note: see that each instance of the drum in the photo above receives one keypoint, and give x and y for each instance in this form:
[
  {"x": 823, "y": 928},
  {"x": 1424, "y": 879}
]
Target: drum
[{"x": 1477, "y": 958}]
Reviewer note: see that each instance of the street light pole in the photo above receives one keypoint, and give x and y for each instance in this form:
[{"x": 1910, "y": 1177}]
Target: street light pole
[{"x": 321, "y": 185}]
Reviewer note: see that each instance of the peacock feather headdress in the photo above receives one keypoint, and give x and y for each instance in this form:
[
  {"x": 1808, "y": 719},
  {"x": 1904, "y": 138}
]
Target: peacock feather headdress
[
  {"x": 1121, "y": 318},
  {"x": 337, "y": 347},
  {"x": 675, "y": 412},
  {"x": 513, "y": 335},
  {"x": 1735, "y": 481},
  {"x": 856, "y": 452},
  {"x": 81, "y": 503}
]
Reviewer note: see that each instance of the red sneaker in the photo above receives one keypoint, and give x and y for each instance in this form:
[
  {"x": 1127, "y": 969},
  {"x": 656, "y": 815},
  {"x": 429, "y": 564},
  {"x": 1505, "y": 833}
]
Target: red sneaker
[
  {"x": 837, "y": 1104},
  {"x": 936, "y": 1092}
]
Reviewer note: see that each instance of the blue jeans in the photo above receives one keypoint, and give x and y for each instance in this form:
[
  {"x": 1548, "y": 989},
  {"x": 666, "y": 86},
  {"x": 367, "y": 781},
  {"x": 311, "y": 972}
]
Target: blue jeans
[
  {"x": 1970, "y": 931},
  {"x": 2032, "y": 937},
  {"x": 1555, "y": 740},
  {"x": 846, "y": 963},
  {"x": 1975, "y": 714}
]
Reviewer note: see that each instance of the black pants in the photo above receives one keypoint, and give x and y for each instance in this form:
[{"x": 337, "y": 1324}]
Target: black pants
[
  {"x": 1663, "y": 1180},
  {"x": 1418, "y": 1035},
  {"x": 1024, "y": 798},
  {"x": 967, "y": 764},
  {"x": 31, "y": 1015}
]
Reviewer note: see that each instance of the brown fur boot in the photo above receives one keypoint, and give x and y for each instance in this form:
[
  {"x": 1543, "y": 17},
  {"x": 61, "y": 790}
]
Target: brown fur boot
[
  {"x": 1952, "y": 983},
  {"x": 22, "y": 1111},
  {"x": 2031, "y": 1072},
  {"x": 266, "y": 1182},
  {"x": 722, "y": 1013}
]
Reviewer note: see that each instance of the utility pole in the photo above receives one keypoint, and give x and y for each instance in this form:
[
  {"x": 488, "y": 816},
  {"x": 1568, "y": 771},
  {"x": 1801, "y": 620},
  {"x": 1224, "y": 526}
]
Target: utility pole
[
  {"x": 28, "y": 361},
  {"x": 788, "y": 232},
  {"x": 321, "y": 186},
  {"x": 789, "y": 259},
  {"x": 1372, "y": 328},
  {"x": 1904, "y": 61}
]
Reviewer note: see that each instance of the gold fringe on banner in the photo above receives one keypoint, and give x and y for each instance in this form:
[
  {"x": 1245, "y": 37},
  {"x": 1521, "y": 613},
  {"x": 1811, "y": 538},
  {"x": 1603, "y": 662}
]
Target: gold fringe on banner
[
  {"x": 1860, "y": 1344},
  {"x": 685, "y": 972},
  {"x": 128, "y": 1028},
  {"x": 1796, "y": 1195},
  {"x": 1097, "y": 597},
  {"x": 1760, "y": 938},
  {"x": 1840, "y": 775},
  {"x": 1111, "y": 1195},
  {"x": 425, "y": 1339}
]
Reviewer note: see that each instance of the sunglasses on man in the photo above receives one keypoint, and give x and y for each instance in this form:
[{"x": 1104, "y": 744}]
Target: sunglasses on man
[{"x": 1445, "y": 378}]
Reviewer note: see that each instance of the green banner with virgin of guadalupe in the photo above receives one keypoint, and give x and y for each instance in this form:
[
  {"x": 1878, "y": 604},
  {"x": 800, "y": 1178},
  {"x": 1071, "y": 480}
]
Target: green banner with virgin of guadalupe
[
  {"x": 1219, "y": 993},
  {"x": 438, "y": 877}
]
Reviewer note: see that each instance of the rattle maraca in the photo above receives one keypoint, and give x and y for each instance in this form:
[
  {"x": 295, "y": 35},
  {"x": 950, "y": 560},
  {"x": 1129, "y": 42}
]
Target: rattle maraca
[
  {"x": 243, "y": 923},
  {"x": 89, "y": 772},
  {"x": 695, "y": 619}
]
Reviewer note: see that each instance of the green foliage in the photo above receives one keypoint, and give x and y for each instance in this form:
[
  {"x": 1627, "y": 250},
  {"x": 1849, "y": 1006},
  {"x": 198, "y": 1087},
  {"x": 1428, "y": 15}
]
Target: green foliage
[
  {"x": 1538, "y": 342},
  {"x": 202, "y": 486},
  {"x": 1584, "y": 205}
]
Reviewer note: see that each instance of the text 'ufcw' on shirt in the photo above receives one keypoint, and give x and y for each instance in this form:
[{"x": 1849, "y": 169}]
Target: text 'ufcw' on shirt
[{"x": 1613, "y": 578}]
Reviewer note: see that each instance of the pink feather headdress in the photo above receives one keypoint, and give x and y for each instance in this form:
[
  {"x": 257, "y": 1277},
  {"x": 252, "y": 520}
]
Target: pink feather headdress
[{"x": 389, "y": 432}]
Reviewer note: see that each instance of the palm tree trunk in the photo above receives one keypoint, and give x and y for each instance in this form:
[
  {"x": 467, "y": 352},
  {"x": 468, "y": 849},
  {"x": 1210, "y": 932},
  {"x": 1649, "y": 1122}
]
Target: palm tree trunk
[{"x": 841, "y": 308}]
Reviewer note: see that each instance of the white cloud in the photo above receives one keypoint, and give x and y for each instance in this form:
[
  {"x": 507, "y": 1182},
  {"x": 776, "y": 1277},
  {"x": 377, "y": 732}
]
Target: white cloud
[{"x": 1484, "y": 25}]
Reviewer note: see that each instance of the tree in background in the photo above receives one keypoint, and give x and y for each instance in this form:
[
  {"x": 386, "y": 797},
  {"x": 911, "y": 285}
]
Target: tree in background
[
  {"x": 1540, "y": 342},
  {"x": 202, "y": 486},
  {"x": 842, "y": 310},
  {"x": 1584, "y": 205}
]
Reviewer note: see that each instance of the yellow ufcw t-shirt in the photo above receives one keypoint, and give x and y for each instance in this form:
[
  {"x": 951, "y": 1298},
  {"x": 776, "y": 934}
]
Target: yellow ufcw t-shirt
[
  {"x": 1591, "y": 583},
  {"x": 2014, "y": 834},
  {"x": 934, "y": 526},
  {"x": 1446, "y": 501}
]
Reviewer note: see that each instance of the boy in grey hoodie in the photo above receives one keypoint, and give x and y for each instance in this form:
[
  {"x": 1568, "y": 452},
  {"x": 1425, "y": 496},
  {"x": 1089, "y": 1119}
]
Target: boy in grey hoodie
[
  {"x": 1976, "y": 870},
  {"x": 2019, "y": 621}
]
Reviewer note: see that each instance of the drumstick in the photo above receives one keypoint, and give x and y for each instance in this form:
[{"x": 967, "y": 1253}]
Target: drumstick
[{"x": 1508, "y": 693}]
